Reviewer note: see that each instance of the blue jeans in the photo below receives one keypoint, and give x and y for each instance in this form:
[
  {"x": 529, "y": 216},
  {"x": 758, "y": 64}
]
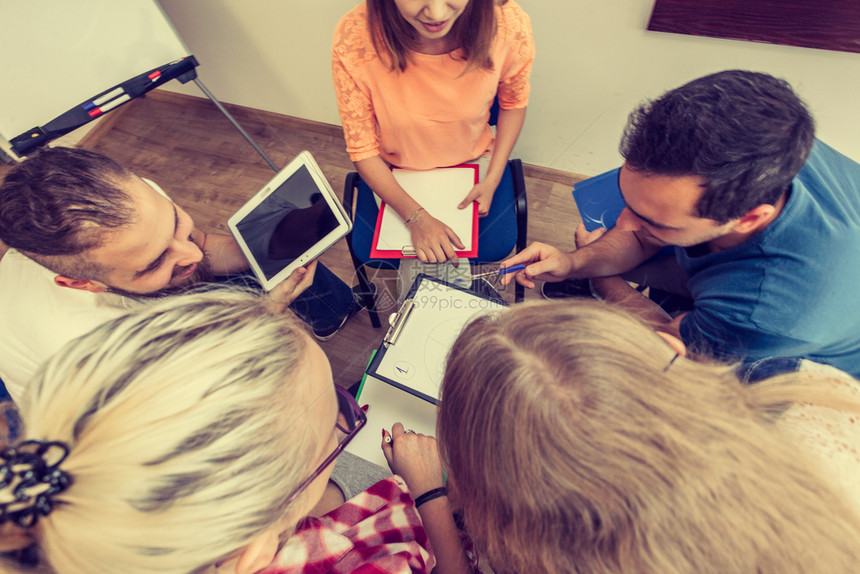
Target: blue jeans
[
  {"x": 324, "y": 305},
  {"x": 770, "y": 367}
]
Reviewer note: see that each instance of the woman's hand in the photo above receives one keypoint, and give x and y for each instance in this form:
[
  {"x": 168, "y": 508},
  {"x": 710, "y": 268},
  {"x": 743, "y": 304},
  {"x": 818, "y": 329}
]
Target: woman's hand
[
  {"x": 414, "y": 457},
  {"x": 482, "y": 193},
  {"x": 433, "y": 241}
]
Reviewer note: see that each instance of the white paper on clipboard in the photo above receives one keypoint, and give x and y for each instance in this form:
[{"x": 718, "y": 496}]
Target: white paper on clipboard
[
  {"x": 389, "y": 405},
  {"x": 415, "y": 361},
  {"x": 438, "y": 191}
]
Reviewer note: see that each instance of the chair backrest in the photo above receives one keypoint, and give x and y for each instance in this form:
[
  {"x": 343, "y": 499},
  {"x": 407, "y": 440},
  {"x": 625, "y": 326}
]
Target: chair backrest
[{"x": 494, "y": 112}]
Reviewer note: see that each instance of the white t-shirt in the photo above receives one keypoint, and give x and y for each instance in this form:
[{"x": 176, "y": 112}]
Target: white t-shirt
[{"x": 38, "y": 317}]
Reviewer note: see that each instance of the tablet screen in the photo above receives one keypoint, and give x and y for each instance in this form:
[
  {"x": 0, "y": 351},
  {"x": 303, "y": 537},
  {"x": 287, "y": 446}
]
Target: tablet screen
[{"x": 291, "y": 220}]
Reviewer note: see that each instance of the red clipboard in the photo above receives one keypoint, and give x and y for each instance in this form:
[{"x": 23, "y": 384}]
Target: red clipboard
[{"x": 376, "y": 253}]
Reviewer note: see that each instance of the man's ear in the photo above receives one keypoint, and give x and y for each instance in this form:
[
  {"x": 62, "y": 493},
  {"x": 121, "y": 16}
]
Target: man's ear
[
  {"x": 753, "y": 219},
  {"x": 259, "y": 553},
  {"x": 81, "y": 284},
  {"x": 677, "y": 344}
]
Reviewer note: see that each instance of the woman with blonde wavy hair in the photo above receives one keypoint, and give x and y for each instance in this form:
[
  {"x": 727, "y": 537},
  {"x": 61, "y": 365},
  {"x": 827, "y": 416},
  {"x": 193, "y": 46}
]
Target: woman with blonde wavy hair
[
  {"x": 577, "y": 440},
  {"x": 197, "y": 435}
]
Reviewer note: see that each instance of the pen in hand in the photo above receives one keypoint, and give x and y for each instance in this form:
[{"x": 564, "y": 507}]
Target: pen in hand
[{"x": 499, "y": 272}]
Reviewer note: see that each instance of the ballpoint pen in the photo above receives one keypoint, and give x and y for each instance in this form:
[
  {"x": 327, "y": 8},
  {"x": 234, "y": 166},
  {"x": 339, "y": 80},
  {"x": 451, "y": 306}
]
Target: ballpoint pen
[{"x": 505, "y": 271}]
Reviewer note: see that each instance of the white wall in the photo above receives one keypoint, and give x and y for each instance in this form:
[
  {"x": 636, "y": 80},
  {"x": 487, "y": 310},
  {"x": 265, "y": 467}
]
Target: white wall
[{"x": 595, "y": 62}]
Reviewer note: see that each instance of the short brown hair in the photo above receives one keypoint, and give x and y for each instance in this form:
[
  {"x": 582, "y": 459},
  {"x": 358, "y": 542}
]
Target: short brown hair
[
  {"x": 571, "y": 448},
  {"x": 56, "y": 205}
]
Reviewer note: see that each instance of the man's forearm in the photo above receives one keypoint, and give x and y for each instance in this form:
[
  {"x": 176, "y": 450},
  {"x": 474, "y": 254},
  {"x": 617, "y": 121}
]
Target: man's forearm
[
  {"x": 617, "y": 291},
  {"x": 615, "y": 253},
  {"x": 224, "y": 254}
]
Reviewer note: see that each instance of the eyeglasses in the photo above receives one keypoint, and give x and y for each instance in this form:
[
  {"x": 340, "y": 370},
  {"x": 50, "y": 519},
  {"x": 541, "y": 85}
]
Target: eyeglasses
[{"x": 350, "y": 420}]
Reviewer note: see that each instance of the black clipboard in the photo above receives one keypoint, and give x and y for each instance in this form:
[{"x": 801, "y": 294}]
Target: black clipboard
[{"x": 413, "y": 352}]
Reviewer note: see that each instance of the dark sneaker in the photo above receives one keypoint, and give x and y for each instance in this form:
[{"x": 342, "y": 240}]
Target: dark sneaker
[
  {"x": 565, "y": 289},
  {"x": 357, "y": 305}
]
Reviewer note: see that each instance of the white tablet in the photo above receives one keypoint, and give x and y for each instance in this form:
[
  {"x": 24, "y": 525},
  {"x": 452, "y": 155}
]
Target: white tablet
[{"x": 290, "y": 222}]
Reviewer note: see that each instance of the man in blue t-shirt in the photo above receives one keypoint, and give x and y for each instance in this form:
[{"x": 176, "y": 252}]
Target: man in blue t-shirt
[{"x": 765, "y": 221}]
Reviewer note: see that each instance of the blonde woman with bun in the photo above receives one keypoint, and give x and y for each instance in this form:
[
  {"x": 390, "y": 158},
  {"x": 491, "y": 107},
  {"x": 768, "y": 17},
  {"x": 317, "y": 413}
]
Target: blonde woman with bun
[{"x": 197, "y": 435}]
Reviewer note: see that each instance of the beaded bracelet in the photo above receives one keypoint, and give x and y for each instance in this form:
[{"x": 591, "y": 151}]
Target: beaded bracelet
[
  {"x": 416, "y": 215},
  {"x": 431, "y": 495}
]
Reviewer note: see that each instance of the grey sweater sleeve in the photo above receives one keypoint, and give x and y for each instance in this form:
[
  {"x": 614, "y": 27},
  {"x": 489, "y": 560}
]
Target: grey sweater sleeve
[{"x": 353, "y": 474}]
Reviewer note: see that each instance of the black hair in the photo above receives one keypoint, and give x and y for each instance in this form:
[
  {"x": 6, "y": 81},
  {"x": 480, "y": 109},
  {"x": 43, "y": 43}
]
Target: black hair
[{"x": 746, "y": 134}]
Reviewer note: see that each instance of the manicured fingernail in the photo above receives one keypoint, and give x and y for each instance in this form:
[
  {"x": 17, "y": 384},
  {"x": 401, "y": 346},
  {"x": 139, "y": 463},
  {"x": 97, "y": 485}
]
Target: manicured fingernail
[
  {"x": 365, "y": 408},
  {"x": 385, "y": 436}
]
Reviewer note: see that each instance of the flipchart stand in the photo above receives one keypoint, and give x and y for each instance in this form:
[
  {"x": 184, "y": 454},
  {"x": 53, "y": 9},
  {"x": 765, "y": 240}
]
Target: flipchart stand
[{"x": 76, "y": 61}]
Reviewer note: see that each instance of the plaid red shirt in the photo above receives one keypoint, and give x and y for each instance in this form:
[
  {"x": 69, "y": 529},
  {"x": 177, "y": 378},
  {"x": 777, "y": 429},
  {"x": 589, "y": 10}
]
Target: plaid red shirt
[{"x": 376, "y": 532}]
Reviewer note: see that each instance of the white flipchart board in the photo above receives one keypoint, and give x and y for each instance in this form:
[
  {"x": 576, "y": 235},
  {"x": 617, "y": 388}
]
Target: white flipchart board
[{"x": 55, "y": 54}]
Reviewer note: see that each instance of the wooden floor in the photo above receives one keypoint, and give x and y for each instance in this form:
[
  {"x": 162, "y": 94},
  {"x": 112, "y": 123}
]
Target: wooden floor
[{"x": 189, "y": 148}]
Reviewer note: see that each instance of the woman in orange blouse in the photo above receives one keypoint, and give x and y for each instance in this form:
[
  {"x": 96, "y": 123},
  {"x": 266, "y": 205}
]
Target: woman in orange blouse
[{"x": 415, "y": 80}]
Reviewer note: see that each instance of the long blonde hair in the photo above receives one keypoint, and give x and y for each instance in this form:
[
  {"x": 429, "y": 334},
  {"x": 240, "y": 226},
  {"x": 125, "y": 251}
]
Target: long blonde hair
[
  {"x": 574, "y": 446},
  {"x": 184, "y": 428}
]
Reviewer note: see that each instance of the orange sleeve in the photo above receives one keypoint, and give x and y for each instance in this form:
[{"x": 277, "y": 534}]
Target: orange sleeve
[
  {"x": 351, "y": 47},
  {"x": 516, "y": 31}
]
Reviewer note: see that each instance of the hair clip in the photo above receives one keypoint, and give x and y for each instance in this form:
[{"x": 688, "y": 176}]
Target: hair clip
[
  {"x": 30, "y": 478},
  {"x": 666, "y": 368}
]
